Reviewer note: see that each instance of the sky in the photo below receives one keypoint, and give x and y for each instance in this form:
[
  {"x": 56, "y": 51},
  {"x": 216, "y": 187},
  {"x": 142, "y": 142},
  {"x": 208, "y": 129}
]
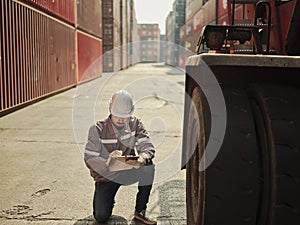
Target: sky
[{"x": 153, "y": 11}]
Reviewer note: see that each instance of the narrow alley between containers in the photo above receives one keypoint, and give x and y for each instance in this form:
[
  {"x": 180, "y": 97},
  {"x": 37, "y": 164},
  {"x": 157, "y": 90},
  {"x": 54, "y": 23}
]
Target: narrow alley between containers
[{"x": 43, "y": 176}]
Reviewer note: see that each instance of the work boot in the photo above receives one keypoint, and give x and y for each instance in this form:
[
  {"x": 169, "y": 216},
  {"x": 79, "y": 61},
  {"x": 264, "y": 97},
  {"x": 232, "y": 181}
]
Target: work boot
[{"x": 141, "y": 217}]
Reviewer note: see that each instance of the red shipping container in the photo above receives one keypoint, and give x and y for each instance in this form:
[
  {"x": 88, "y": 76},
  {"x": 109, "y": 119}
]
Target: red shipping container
[
  {"x": 198, "y": 20},
  {"x": 64, "y": 9},
  {"x": 89, "y": 16},
  {"x": 181, "y": 61},
  {"x": 278, "y": 34},
  {"x": 222, "y": 8},
  {"x": 223, "y": 18},
  {"x": 38, "y": 55},
  {"x": 209, "y": 12},
  {"x": 192, "y": 8},
  {"x": 182, "y": 32},
  {"x": 192, "y": 41},
  {"x": 89, "y": 57},
  {"x": 189, "y": 27}
]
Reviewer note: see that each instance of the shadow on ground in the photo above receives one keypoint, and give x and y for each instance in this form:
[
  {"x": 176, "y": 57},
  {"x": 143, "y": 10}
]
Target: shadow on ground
[
  {"x": 113, "y": 220},
  {"x": 171, "y": 203}
]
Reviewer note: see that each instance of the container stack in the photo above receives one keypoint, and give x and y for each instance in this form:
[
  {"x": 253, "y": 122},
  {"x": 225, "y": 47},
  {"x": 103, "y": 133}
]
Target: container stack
[
  {"x": 119, "y": 29},
  {"x": 47, "y": 47},
  {"x": 149, "y": 35},
  {"x": 193, "y": 24},
  {"x": 201, "y": 13},
  {"x": 169, "y": 38},
  {"x": 89, "y": 39},
  {"x": 174, "y": 22}
]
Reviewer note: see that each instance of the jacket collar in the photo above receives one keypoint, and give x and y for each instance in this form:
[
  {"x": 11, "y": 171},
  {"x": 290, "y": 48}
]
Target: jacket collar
[
  {"x": 110, "y": 126},
  {"x": 114, "y": 131}
]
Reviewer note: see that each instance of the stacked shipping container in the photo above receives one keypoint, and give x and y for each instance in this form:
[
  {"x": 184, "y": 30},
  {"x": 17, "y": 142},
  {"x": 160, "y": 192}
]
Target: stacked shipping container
[
  {"x": 149, "y": 35},
  {"x": 42, "y": 46},
  {"x": 175, "y": 21},
  {"x": 119, "y": 31},
  {"x": 193, "y": 22},
  {"x": 63, "y": 9},
  {"x": 201, "y": 13},
  {"x": 89, "y": 39},
  {"x": 111, "y": 35},
  {"x": 37, "y": 55},
  {"x": 133, "y": 36},
  {"x": 169, "y": 37}
]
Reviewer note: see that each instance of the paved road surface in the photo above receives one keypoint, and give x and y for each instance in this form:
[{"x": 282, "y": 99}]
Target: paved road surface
[{"x": 43, "y": 177}]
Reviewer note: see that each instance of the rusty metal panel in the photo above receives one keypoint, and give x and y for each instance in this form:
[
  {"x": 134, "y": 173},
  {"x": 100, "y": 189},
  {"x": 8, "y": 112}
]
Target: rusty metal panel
[
  {"x": 191, "y": 8},
  {"x": 108, "y": 31},
  {"x": 63, "y": 9},
  {"x": 117, "y": 12},
  {"x": 89, "y": 16},
  {"x": 37, "y": 55},
  {"x": 124, "y": 31},
  {"x": 182, "y": 32},
  {"x": 189, "y": 28},
  {"x": 223, "y": 19},
  {"x": 209, "y": 12},
  {"x": 222, "y": 8},
  {"x": 198, "y": 20},
  {"x": 192, "y": 40},
  {"x": 108, "y": 60},
  {"x": 107, "y": 9},
  {"x": 1, "y": 60},
  {"x": 89, "y": 57}
]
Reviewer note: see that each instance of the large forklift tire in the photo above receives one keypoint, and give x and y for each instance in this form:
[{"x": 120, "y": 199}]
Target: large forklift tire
[
  {"x": 277, "y": 119},
  {"x": 226, "y": 193},
  {"x": 255, "y": 178},
  {"x": 195, "y": 179}
]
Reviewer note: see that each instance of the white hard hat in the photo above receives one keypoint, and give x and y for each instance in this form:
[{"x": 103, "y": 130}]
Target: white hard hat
[{"x": 121, "y": 104}]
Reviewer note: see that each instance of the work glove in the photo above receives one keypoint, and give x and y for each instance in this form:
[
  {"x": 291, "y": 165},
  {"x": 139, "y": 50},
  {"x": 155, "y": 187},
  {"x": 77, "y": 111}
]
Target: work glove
[
  {"x": 143, "y": 158},
  {"x": 114, "y": 153}
]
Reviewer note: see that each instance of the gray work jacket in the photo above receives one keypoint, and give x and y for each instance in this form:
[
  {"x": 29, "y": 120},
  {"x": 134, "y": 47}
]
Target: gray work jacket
[{"x": 104, "y": 138}]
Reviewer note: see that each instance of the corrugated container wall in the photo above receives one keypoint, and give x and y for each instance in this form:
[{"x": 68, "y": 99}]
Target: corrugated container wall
[
  {"x": 134, "y": 38},
  {"x": 191, "y": 9},
  {"x": 63, "y": 9},
  {"x": 89, "y": 51},
  {"x": 198, "y": 14},
  {"x": 89, "y": 16},
  {"x": 149, "y": 35},
  {"x": 169, "y": 27},
  {"x": 124, "y": 31},
  {"x": 111, "y": 35},
  {"x": 209, "y": 9},
  {"x": 37, "y": 55},
  {"x": 169, "y": 36}
]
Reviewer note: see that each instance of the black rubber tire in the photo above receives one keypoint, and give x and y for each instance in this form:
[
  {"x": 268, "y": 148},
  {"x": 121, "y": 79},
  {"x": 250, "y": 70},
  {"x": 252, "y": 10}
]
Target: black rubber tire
[
  {"x": 227, "y": 192},
  {"x": 277, "y": 118},
  {"x": 194, "y": 178}
]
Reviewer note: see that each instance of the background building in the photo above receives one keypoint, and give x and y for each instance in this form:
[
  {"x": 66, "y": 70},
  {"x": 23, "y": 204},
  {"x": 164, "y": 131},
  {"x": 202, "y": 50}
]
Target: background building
[
  {"x": 149, "y": 36},
  {"x": 119, "y": 29},
  {"x": 175, "y": 20}
]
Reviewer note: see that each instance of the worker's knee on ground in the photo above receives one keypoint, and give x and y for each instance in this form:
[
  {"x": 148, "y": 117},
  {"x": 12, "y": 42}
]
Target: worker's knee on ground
[{"x": 101, "y": 215}]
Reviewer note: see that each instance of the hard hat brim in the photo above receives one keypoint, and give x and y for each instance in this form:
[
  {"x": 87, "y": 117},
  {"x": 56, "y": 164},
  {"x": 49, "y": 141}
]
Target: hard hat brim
[{"x": 127, "y": 115}]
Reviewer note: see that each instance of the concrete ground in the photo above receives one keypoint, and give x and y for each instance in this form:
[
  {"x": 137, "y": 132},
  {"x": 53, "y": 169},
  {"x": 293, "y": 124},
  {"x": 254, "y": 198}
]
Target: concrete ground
[{"x": 43, "y": 177}]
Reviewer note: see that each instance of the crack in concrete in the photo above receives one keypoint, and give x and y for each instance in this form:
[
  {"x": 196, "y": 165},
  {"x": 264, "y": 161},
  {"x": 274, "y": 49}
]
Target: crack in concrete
[
  {"x": 40, "y": 141},
  {"x": 15, "y": 128},
  {"x": 37, "y": 218}
]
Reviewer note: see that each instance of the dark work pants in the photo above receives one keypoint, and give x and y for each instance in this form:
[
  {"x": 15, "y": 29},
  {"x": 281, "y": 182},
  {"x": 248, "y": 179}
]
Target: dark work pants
[{"x": 105, "y": 192}]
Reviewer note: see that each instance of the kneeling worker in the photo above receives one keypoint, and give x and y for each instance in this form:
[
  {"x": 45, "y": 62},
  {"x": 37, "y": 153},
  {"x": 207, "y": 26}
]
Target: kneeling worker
[{"x": 119, "y": 134}]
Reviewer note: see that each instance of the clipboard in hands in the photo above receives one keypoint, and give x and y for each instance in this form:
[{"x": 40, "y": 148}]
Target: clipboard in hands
[{"x": 127, "y": 162}]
